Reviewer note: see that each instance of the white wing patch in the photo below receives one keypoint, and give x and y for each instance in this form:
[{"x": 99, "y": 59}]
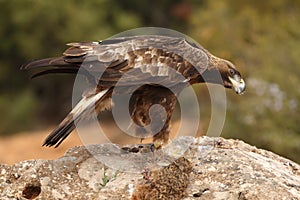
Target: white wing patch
[
  {"x": 150, "y": 62},
  {"x": 163, "y": 71},
  {"x": 85, "y": 102}
]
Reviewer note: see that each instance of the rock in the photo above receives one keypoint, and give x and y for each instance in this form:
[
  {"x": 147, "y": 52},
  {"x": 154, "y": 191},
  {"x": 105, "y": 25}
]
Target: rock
[{"x": 188, "y": 168}]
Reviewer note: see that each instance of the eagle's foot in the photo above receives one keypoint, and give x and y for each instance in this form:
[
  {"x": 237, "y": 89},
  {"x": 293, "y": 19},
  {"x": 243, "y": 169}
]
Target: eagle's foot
[
  {"x": 140, "y": 148},
  {"x": 157, "y": 144}
]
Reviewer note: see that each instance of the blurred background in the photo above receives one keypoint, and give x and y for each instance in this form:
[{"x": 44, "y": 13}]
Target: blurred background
[{"x": 262, "y": 38}]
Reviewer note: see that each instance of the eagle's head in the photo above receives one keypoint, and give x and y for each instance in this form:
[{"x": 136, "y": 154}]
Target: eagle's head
[{"x": 231, "y": 77}]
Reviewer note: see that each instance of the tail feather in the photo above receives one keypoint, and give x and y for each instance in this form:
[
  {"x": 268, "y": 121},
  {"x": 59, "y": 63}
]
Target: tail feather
[
  {"x": 81, "y": 111},
  {"x": 58, "y": 135},
  {"x": 65, "y": 70},
  {"x": 53, "y": 65},
  {"x": 55, "y": 61}
]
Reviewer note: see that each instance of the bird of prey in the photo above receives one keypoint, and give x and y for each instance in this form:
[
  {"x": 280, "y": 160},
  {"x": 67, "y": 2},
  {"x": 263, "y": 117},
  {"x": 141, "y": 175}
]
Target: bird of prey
[{"x": 161, "y": 66}]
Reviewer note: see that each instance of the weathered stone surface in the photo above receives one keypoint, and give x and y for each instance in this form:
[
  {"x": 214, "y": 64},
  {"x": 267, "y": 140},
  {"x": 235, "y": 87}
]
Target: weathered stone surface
[{"x": 191, "y": 168}]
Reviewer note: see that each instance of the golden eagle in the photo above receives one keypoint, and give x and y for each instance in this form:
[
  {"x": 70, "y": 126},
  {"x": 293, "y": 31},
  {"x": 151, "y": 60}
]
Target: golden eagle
[{"x": 159, "y": 64}]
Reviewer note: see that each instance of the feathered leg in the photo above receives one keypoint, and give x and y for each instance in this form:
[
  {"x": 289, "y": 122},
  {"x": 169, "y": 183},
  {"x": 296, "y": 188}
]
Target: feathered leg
[{"x": 143, "y": 105}]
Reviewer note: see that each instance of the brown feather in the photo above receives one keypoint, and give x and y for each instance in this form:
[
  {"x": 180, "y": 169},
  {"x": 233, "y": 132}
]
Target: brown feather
[{"x": 74, "y": 51}]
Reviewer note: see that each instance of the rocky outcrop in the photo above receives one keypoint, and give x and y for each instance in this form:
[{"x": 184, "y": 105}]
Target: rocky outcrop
[{"x": 189, "y": 168}]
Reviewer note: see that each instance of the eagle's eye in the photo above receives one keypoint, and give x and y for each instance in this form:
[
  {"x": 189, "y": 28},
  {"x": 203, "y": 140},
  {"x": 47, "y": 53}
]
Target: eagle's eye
[{"x": 231, "y": 72}]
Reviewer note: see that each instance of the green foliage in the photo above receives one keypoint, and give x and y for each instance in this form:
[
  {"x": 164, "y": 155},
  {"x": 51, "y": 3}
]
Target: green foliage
[
  {"x": 17, "y": 112},
  {"x": 261, "y": 37}
]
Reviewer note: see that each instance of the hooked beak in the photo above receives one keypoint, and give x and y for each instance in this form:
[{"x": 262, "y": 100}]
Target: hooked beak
[{"x": 238, "y": 84}]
